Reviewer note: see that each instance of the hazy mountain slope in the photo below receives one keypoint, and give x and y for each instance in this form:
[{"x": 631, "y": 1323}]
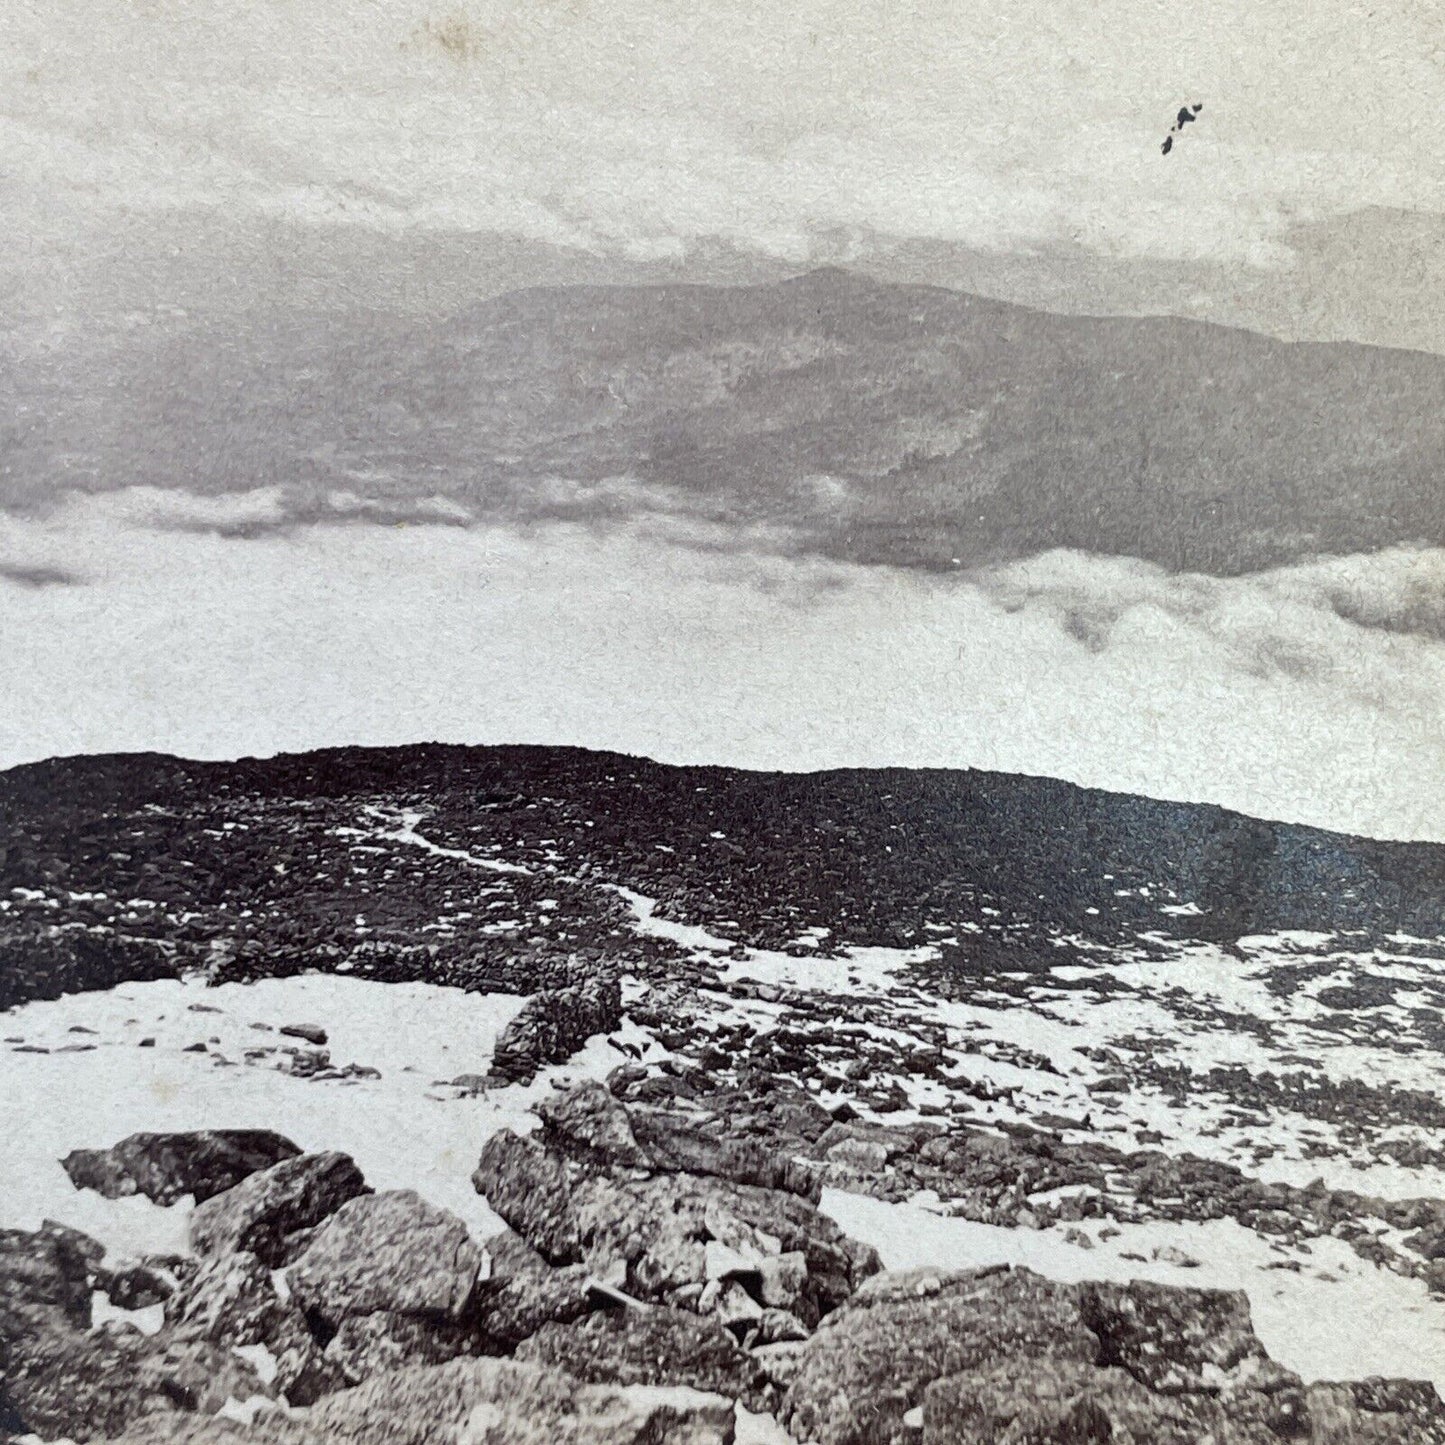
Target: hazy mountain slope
[{"x": 839, "y": 415}]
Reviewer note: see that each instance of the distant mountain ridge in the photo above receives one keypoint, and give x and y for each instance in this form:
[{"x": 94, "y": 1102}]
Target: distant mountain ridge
[
  {"x": 305, "y": 861},
  {"x": 828, "y": 414}
]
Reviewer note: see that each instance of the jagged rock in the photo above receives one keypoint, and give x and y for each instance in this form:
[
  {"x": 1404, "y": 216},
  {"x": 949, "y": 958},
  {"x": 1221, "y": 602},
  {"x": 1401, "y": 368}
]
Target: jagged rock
[
  {"x": 57, "y": 1379},
  {"x": 1173, "y": 1340},
  {"x": 367, "y": 1345},
  {"x": 135, "y": 1286},
  {"x": 531, "y": 1187},
  {"x": 524, "y": 1292},
  {"x": 233, "y": 1301},
  {"x": 258, "y": 1214},
  {"x": 650, "y": 1235},
  {"x": 166, "y": 1167},
  {"x": 475, "y": 1402},
  {"x": 587, "y": 1119},
  {"x": 656, "y": 1346},
  {"x": 390, "y": 1251},
  {"x": 677, "y": 1146},
  {"x": 553, "y": 1024},
  {"x": 870, "y": 1362}
]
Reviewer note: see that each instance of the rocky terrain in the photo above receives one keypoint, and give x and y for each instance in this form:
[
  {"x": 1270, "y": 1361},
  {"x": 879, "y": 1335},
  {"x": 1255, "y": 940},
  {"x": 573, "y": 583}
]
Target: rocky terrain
[
  {"x": 658, "y": 1280},
  {"x": 522, "y": 1093}
]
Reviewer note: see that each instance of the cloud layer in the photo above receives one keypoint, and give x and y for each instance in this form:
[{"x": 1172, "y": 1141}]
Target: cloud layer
[
  {"x": 642, "y": 124},
  {"x": 1292, "y": 694}
]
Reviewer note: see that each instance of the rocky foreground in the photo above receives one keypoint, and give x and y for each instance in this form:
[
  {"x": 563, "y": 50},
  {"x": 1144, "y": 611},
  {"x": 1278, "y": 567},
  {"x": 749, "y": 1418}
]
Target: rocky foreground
[{"x": 666, "y": 1278}]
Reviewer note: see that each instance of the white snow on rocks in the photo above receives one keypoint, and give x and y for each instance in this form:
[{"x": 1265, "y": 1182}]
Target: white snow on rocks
[
  {"x": 403, "y": 1128},
  {"x": 1326, "y": 1313}
]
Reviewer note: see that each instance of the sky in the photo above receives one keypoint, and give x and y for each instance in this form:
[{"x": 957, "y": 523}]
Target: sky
[
  {"x": 647, "y": 122},
  {"x": 273, "y": 158}
]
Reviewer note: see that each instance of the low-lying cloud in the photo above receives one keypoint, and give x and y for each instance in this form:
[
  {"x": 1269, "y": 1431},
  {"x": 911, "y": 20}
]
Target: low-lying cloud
[{"x": 1292, "y": 694}]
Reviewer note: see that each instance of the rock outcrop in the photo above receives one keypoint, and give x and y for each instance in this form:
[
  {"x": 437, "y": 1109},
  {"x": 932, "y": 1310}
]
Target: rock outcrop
[
  {"x": 553, "y": 1024},
  {"x": 650, "y": 1235},
  {"x": 166, "y": 1167},
  {"x": 59, "y": 1377},
  {"x": 392, "y": 1253},
  {"x": 476, "y": 1402},
  {"x": 662, "y": 1267},
  {"x": 266, "y": 1212},
  {"x": 1004, "y": 1355}
]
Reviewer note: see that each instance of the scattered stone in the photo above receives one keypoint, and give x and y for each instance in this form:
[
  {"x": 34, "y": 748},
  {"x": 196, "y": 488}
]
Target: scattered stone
[{"x": 312, "y": 1033}]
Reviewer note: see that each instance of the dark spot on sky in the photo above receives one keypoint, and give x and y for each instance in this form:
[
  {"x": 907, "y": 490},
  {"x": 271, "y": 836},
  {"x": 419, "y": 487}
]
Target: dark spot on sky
[{"x": 1187, "y": 115}]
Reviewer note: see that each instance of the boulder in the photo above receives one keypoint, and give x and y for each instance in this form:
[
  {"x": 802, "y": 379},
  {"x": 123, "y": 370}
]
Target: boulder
[
  {"x": 60, "y": 1379},
  {"x": 587, "y": 1120},
  {"x": 1377, "y": 1412},
  {"x": 166, "y": 1167},
  {"x": 870, "y": 1362},
  {"x": 135, "y": 1286},
  {"x": 311, "y": 1033},
  {"x": 553, "y": 1024},
  {"x": 474, "y": 1402},
  {"x": 656, "y": 1346},
  {"x": 676, "y": 1145},
  {"x": 1060, "y": 1402},
  {"x": 531, "y": 1188},
  {"x": 392, "y": 1252},
  {"x": 1174, "y": 1340},
  {"x": 80, "y": 1244},
  {"x": 259, "y": 1213},
  {"x": 650, "y": 1235},
  {"x": 367, "y": 1345},
  {"x": 232, "y": 1301},
  {"x": 524, "y": 1292},
  {"x": 502, "y": 1402},
  {"x": 45, "y": 1282}
]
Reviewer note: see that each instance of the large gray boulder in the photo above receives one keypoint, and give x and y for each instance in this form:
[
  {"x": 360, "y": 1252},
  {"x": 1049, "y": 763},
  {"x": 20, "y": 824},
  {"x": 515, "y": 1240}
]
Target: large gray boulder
[
  {"x": 523, "y": 1293},
  {"x": 1174, "y": 1340},
  {"x": 474, "y": 1402},
  {"x": 259, "y": 1214},
  {"x": 392, "y": 1252},
  {"x": 232, "y": 1301},
  {"x": 871, "y": 1362},
  {"x": 656, "y": 1346},
  {"x": 166, "y": 1167}
]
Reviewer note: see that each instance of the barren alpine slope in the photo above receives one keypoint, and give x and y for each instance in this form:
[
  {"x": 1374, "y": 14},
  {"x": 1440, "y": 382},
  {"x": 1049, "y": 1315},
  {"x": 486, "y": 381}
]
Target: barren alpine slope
[{"x": 398, "y": 1091}]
